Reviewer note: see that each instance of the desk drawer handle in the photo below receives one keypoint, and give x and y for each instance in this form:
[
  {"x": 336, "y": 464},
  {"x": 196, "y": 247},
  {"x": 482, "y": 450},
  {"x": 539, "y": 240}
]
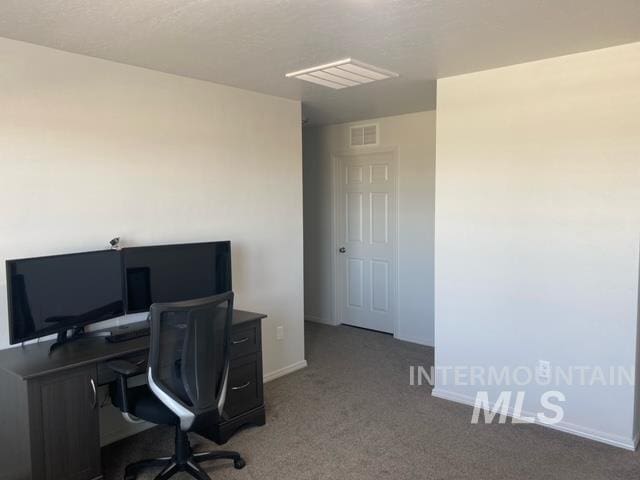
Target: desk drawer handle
[
  {"x": 236, "y": 342},
  {"x": 241, "y": 386},
  {"x": 94, "y": 402}
]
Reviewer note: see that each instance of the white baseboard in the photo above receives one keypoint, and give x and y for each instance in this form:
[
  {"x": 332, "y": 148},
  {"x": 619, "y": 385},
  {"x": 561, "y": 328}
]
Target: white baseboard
[
  {"x": 420, "y": 341},
  {"x": 314, "y": 319},
  {"x": 579, "y": 430},
  {"x": 281, "y": 372}
]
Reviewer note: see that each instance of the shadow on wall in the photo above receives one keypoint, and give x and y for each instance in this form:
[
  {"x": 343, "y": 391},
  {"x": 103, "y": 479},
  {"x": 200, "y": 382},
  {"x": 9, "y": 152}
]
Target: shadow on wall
[{"x": 636, "y": 413}]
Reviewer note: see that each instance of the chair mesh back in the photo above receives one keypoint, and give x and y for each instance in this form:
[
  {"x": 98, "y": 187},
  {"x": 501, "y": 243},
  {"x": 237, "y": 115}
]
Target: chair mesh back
[{"x": 189, "y": 344}]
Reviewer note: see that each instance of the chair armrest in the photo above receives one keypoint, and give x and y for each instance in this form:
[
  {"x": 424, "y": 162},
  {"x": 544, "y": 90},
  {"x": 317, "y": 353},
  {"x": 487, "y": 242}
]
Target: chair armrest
[
  {"x": 119, "y": 389},
  {"x": 126, "y": 368}
]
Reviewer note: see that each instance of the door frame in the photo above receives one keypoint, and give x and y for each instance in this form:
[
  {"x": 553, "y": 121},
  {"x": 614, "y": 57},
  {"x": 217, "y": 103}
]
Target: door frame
[{"x": 336, "y": 164}]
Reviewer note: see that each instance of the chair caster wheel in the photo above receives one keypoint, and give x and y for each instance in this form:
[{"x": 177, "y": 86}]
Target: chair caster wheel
[{"x": 239, "y": 464}]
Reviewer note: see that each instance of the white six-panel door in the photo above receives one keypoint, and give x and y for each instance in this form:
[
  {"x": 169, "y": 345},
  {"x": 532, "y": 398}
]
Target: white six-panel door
[{"x": 366, "y": 236}]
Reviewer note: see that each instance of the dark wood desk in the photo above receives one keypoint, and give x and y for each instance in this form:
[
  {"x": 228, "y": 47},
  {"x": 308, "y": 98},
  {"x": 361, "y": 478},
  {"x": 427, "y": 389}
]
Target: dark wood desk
[{"x": 49, "y": 412}]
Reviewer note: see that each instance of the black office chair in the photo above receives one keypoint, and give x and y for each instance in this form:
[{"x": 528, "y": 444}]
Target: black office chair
[{"x": 187, "y": 380}]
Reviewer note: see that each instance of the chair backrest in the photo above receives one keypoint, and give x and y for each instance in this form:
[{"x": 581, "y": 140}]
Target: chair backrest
[{"x": 189, "y": 355}]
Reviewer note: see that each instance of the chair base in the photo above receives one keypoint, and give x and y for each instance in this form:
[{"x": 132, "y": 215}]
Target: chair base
[
  {"x": 183, "y": 461},
  {"x": 191, "y": 466}
]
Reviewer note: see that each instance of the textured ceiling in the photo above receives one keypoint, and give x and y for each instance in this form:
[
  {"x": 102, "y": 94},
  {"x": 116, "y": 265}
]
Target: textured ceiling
[{"x": 251, "y": 44}]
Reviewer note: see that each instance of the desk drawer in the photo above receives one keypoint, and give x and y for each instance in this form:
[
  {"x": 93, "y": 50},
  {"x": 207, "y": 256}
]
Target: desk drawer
[
  {"x": 245, "y": 340},
  {"x": 244, "y": 388}
]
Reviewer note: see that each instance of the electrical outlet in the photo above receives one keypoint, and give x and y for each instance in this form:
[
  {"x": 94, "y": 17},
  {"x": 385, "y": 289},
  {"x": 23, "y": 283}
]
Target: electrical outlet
[
  {"x": 544, "y": 369},
  {"x": 280, "y": 332}
]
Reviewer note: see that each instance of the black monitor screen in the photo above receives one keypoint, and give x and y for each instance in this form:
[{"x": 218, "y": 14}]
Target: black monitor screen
[
  {"x": 51, "y": 294},
  {"x": 173, "y": 273}
]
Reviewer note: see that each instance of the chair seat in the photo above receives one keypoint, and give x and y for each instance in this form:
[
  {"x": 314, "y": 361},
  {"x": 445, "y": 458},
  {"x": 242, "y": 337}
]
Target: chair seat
[{"x": 146, "y": 406}]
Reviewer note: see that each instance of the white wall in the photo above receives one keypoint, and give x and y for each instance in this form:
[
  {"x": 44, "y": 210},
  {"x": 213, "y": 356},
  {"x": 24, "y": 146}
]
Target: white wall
[
  {"x": 414, "y": 136},
  {"x": 91, "y": 149},
  {"x": 538, "y": 224}
]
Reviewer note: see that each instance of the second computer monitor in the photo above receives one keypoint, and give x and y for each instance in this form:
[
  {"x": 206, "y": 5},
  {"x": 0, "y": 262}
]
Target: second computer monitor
[{"x": 171, "y": 273}]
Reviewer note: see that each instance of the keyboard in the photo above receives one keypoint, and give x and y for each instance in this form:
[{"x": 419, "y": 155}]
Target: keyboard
[{"x": 128, "y": 332}]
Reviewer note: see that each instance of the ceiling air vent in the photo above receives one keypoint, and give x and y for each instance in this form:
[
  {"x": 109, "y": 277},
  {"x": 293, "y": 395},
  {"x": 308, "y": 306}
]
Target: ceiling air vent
[
  {"x": 363, "y": 135},
  {"x": 342, "y": 74}
]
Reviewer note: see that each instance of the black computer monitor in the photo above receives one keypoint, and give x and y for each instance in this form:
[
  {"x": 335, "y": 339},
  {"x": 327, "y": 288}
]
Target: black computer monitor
[
  {"x": 172, "y": 273},
  {"x": 53, "y": 294}
]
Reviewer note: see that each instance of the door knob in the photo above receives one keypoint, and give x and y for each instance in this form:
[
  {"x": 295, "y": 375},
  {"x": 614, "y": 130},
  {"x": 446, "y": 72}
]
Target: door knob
[{"x": 342, "y": 250}]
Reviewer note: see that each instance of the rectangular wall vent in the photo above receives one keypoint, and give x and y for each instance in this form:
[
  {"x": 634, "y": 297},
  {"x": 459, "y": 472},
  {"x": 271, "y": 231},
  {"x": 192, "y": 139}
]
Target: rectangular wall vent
[
  {"x": 361, "y": 135},
  {"x": 342, "y": 74}
]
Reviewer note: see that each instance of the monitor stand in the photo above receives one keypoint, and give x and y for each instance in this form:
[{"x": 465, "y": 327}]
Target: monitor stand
[{"x": 78, "y": 333}]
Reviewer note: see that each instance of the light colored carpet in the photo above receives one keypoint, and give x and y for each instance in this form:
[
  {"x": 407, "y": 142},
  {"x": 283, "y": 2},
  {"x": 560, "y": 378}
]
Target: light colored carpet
[{"x": 352, "y": 415}]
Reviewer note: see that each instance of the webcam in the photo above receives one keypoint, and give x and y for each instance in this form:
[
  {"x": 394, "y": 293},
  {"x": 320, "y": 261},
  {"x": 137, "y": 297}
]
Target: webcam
[{"x": 115, "y": 243}]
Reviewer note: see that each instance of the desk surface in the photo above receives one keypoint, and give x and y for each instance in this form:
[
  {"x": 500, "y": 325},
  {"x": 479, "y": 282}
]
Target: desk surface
[{"x": 34, "y": 360}]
